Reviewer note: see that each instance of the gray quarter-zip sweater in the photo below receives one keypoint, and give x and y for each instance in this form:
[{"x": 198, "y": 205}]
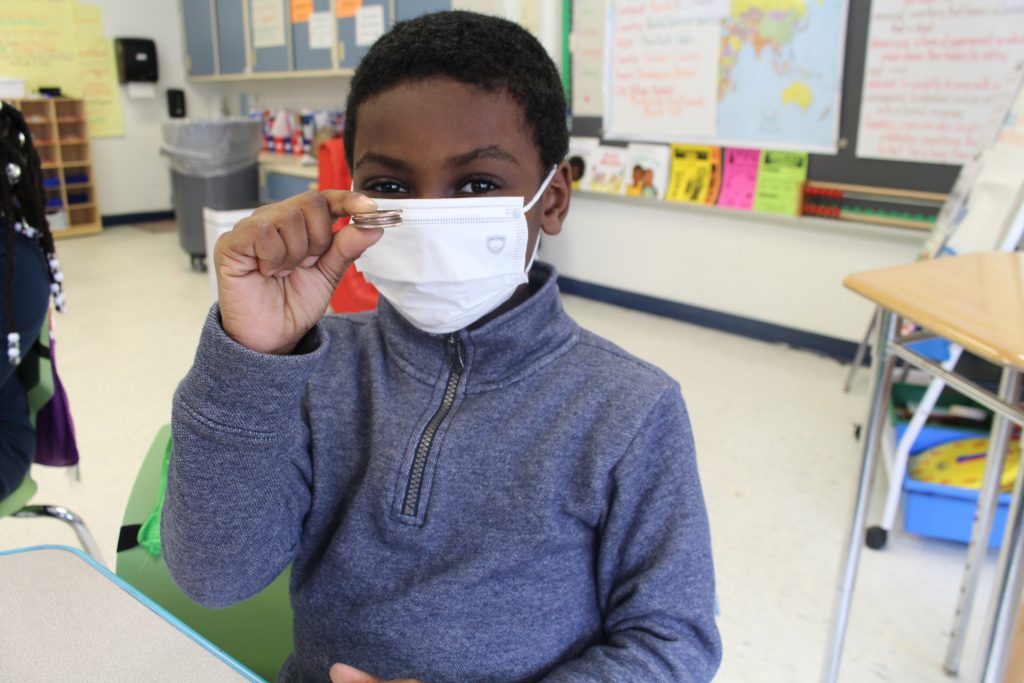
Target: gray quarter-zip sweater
[{"x": 518, "y": 502}]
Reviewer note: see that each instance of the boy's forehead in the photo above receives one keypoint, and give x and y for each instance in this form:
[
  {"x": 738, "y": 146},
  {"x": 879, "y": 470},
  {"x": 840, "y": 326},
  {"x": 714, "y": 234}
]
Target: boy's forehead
[{"x": 441, "y": 114}]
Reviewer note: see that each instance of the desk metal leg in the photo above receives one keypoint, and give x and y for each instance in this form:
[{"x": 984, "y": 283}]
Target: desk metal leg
[
  {"x": 1006, "y": 589},
  {"x": 879, "y": 535},
  {"x": 883, "y": 363},
  {"x": 858, "y": 357},
  {"x": 984, "y": 513}
]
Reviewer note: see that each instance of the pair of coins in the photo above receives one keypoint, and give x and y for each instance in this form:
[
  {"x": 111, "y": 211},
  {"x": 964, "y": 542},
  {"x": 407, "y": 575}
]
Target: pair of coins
[{"x": 381, "y": 218}]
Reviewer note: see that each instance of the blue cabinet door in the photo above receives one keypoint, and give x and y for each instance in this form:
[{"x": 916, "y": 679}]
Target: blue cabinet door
[
  {"x": 273, "y": 58},
  {"x": 304, "y": 57},
  {"x": 231, "y": 36},
  {"x": 198, "y": 25},
  {"x": 349, "y": 53},
  {"x": 410, "y": 9}
]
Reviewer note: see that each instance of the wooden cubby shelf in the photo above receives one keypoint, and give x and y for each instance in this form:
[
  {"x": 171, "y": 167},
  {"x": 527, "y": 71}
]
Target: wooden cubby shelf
[{"x": 60, "y": 137}]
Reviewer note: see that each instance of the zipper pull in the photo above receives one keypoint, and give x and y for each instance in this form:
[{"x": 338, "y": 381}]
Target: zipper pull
[{"x": 455, "y": 353}]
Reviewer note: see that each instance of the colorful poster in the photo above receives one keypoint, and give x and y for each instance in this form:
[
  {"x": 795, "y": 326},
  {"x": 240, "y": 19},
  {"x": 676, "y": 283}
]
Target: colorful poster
[
  {"x": 581, "y": 151},
  {"x": 607, "y": 170},
  {"x": 780, "y": 182},
  {"x": 267, "y": 23},
  {"x": 647, "y": 171},
  {"x": 739, "y": 177},
  {"x": 695, "y": 175},
  {"x": 938, "y": 78}
]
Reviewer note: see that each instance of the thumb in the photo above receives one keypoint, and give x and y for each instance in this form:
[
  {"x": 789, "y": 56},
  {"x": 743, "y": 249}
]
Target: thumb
[
  {"x": 348, "y": 244},
  {"x": 343, "y": 673}
]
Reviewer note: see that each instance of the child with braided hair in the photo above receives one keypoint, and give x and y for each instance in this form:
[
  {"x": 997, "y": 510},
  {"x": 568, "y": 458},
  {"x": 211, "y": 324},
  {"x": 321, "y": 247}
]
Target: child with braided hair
[{"x": 29, "y": 275}]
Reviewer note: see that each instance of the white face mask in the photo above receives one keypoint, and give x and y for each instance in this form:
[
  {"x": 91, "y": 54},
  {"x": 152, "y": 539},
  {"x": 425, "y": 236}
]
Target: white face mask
[{"x": 452, "y": 261}]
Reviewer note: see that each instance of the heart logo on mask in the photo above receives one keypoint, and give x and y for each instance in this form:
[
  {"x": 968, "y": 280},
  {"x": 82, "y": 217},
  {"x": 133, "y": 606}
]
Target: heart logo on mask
[{"x": 496, "y": 243}]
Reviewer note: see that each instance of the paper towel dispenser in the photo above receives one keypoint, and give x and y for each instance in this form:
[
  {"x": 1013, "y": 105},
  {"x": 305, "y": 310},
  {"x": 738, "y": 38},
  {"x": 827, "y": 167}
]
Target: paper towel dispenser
[{"x": 136, "y": 60}]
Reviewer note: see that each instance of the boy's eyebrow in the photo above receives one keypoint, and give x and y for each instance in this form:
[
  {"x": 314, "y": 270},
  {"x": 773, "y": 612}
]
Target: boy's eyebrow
[
  {"x": 382, "y": 159},
  {"x": 491, "y": 151}
]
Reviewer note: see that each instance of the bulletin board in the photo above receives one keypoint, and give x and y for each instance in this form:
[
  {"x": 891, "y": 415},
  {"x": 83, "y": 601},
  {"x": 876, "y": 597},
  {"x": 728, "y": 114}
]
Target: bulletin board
[{"x": 878, "y": 142}]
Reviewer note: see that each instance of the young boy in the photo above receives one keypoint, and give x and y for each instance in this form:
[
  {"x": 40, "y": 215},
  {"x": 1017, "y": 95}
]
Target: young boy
[{"x": 468, "y": 486}]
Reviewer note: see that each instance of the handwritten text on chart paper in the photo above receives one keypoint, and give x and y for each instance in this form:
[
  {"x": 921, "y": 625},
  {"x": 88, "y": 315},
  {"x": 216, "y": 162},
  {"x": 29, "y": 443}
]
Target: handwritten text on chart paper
[
  {"x": 938, "y": 77},
  {"x": 664, "y": 72}
]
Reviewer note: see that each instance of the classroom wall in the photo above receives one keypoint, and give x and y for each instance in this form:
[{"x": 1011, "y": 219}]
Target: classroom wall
[
  {"x": 782, "y": 271},
  {"x": 131, "y": 175}
]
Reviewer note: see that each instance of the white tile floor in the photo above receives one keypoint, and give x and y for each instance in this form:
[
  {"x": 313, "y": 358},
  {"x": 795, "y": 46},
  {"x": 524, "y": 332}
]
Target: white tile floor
[{"x": 774, "y": 435}]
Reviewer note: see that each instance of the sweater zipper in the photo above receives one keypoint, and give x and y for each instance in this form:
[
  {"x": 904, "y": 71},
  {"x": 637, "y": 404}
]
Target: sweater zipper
[{"x": 411, "y": 504}]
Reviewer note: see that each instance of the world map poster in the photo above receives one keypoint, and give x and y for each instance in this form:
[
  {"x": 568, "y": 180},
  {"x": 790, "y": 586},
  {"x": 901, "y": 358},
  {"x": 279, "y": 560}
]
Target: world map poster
[{"x": 746, "y": 73}]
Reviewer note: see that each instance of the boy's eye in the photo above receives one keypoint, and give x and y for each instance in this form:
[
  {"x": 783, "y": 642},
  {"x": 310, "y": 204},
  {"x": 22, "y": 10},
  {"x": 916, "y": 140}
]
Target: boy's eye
[
  {"x": 385, "y": 187},
  {"x": 478, "y": 186}
]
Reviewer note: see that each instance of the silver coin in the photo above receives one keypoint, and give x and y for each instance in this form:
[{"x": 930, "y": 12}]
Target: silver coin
[{"x": 381, "y": 218}]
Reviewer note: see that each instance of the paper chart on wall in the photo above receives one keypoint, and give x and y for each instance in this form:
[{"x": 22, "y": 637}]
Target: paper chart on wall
[
  {"x": 588, "y": 20},
  {"x": 369, "y": 24},
  {"x": 321, "y": 30},
  {"x": 37, "y": 43},
  {"x": 664, "y": 80},
  {"x": 746, "y": 73},
  {"x": 97, "y": 74},
  {"x": 267, "y": 23},
  {"x": 938, "y": 77}
]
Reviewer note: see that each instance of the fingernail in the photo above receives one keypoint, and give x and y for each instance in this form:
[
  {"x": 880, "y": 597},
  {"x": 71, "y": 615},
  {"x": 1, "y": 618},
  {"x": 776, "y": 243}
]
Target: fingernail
[{"x": 309, "y": 260}]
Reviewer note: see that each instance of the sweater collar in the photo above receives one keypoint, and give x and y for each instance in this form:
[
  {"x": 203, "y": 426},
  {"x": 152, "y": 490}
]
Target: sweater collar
[{"x": 505, "y": 349}]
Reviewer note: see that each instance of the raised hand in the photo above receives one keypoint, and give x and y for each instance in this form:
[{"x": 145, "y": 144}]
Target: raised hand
[{"x": 277, "y": 269}]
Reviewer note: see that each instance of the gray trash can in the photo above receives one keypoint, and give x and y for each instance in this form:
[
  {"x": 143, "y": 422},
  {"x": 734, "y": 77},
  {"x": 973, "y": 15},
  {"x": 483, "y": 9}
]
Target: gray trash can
[{"x": 213, "y": 164}]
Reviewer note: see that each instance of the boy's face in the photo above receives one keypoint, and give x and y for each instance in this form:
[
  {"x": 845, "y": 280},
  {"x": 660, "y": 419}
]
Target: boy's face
[{"x": 439, "y": 138}]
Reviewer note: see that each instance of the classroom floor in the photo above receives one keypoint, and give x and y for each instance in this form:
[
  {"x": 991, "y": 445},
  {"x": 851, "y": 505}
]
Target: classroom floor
[{"x": 774, "y": 436}]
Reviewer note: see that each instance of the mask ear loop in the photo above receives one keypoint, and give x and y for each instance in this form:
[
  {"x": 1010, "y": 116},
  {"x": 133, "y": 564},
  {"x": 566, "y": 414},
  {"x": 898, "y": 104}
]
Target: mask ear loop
[
  {"x": 543, "y": 186},
  {"x": 536, "y": 198}
]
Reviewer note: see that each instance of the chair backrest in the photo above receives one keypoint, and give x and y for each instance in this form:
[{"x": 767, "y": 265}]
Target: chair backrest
[
  {"x": 257, "y": 632},
  {"x": 18, "y": 497}
]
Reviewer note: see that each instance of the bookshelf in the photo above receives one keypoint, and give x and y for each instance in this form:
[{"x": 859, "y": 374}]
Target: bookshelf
[{"x": 60, "y": 133}]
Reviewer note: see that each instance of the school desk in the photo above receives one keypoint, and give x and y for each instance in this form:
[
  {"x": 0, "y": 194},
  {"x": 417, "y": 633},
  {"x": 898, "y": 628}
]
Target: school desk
[
  {"x": 976, "y": 301},
  {"x": 66, "y": 618}
]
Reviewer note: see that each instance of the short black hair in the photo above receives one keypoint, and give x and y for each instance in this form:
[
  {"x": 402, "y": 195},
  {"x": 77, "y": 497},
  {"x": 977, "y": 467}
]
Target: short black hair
[{"x": 491, "y": 53}]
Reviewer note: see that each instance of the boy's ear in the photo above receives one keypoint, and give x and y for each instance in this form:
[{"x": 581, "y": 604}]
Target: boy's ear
[{"x": 556, "y": 200}]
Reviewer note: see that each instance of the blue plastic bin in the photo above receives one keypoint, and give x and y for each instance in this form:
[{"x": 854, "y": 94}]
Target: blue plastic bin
[{"x": 947, "y": 512}]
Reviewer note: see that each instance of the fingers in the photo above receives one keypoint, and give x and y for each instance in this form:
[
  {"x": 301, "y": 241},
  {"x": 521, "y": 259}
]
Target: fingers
[
  {"x": 281, "y": 237},
  {"x": 349, "y": 244},
  {"x": 343, "y": 673},
  {"x": 343, "y": 203}
]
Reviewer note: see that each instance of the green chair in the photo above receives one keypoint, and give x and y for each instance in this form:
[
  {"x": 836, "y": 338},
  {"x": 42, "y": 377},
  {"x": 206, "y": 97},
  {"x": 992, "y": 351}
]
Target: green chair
[
  {"x": 16, "y": 505},
  {"x": 37, "y": 375},
  {"x": 257, "y": 632}
]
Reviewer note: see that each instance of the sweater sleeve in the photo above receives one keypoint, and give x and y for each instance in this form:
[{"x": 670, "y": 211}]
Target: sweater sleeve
[
  {"x": 654, "y": 569},
  {"x": 239, "y": 478}
]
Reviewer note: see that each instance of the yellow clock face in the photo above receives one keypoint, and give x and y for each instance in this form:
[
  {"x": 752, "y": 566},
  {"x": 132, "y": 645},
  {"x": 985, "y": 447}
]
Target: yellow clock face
[{"x": 961, "y": 463}]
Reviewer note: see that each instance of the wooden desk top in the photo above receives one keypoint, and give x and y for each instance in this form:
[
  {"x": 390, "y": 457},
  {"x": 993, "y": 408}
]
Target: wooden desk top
[
  {"x": 974, "y": 300},
  {"x": 66, "y": 620}
]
